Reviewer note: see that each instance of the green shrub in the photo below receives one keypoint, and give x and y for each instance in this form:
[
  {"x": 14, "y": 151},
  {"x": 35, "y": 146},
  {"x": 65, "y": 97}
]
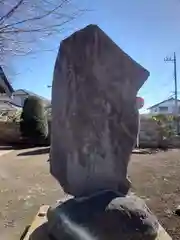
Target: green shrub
[
  {"x": 33, "y": 124},
  {"x": 166, "y": 124}
]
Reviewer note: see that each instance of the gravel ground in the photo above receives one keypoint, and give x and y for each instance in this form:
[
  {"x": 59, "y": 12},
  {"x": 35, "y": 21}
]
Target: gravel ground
[
  {"x": 156, "y": 178},
  {"x": 25, "y": 184}
]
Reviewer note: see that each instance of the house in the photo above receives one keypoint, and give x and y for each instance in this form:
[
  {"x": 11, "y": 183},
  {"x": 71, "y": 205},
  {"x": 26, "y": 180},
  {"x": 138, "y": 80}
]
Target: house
[
  {"x": 11, "y": 99},
  {"x": 6, "y": 91},
  {"x": 165, "y": 107},
  {"x": 19, "y": 96}
]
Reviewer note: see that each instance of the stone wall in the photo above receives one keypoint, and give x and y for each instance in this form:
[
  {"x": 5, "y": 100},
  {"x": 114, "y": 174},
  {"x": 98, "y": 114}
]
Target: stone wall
[
  {"x": 149, "y": 133},
  {"x": 9, "y": 132},
  {"x": 174, "y": 142}
]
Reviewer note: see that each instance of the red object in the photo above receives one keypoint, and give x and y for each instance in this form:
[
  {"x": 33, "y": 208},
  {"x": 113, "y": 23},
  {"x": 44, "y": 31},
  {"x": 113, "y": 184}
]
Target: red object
[{"x": 139, "y": 102}]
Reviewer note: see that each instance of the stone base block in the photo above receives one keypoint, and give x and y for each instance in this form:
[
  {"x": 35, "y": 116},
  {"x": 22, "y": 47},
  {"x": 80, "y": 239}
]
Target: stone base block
[{"x": 39, "y": 228}]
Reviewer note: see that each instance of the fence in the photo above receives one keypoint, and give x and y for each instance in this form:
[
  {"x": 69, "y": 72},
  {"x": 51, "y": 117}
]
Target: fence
[{"x": 10, "y": 133}]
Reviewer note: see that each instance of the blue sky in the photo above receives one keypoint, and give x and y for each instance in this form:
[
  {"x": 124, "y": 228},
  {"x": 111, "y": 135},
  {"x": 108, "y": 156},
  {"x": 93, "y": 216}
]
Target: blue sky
[{"x": 147, "y": 30}]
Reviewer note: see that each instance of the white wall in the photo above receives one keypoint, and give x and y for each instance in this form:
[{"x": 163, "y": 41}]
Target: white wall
[
  {"x": 171, "y": 107},
  {"x": 19, "y": 99}
]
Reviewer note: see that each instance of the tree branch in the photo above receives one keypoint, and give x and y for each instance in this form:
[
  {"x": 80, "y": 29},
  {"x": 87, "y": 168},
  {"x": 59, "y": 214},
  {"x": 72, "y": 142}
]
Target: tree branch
[
  {"x": 48, "y": 28},
  {"x": 26, "y": 24},
  {"x": 12, "y": 11},
  {"x": 36, "y": 18}
]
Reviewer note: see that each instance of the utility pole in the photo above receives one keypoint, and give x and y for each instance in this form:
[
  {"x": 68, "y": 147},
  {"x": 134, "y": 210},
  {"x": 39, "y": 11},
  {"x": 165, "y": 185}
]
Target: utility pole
[{"x": 173, "y": 60}]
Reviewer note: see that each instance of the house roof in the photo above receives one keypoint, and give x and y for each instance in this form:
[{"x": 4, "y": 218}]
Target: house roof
[
  {"x": 167, "y": 100},
  {"x": 29, "y": 93},
  {"x": 4, "y": 78}
]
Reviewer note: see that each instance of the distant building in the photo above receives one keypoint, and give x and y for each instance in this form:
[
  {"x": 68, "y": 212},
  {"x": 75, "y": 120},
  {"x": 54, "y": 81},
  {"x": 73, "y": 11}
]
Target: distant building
[
  {"x": 11, "y": 99},
  {"x": 19, "y": 96},
  {"x": 165, "y": 107}
]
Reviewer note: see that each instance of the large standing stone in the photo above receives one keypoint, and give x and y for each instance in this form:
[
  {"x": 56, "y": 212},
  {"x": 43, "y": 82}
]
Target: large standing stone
[{"x": 94, "y": 114}]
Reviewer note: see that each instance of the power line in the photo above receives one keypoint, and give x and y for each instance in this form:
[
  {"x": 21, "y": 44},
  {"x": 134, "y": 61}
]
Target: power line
[
  {"x": 147, "y": 90},
  {"x": 173, "y": 60}
]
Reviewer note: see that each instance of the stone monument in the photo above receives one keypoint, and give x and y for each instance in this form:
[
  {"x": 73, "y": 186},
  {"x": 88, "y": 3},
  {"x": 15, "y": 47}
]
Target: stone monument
[
  {"x": 94, "y": 114},
  {"x": 94, "y": 129}
]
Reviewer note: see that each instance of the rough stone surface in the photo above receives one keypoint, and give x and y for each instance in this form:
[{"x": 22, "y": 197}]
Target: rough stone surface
[
  {"x": 94, "y": 113},
  {"x": 178, "y": 210},
  {"x": 107, "y": 215}
]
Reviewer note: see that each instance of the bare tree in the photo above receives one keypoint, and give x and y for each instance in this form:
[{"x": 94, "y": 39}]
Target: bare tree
[{"x": 24, "y": 23}]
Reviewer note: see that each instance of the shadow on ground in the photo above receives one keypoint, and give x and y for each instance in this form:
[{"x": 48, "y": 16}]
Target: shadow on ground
[
  {"x": 40, "y": 232},
  {"x": 38, "y": 151}
]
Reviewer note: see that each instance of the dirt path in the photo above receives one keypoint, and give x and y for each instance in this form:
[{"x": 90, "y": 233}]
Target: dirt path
[
  {"x": 156, "y": 178},
  {"x": 3, "y": 152},
  {"x": 25, "y": 184}
]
